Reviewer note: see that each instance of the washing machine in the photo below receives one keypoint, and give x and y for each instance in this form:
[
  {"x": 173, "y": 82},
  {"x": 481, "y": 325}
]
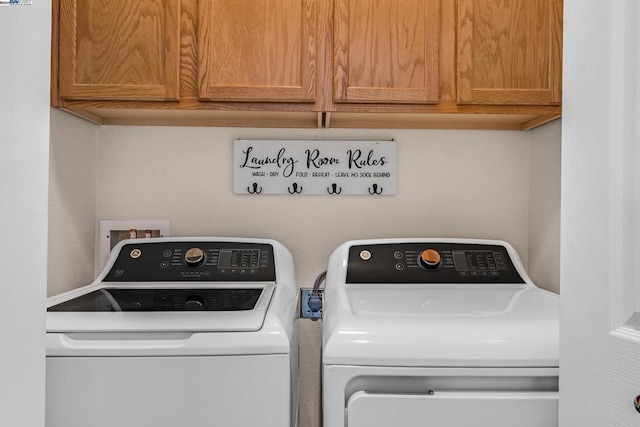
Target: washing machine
[
  {"x": 437, "y": 332},
  {"x": 177, "y": 332}
]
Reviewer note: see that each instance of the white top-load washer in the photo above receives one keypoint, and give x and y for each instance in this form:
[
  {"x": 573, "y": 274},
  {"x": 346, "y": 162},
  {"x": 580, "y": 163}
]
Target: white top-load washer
[
  {"x": 177, "y": 332},
  {"x": 437, "y": 332}
]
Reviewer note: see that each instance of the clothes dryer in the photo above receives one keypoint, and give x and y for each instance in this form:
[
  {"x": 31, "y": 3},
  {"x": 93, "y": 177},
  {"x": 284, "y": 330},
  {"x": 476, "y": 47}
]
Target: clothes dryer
[{"x": 437, "y": 332}]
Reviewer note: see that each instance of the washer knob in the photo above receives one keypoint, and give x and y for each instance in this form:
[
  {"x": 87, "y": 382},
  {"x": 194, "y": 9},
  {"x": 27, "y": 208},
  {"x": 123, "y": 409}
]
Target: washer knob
[
  {"x": 194, "y": 303},
  {"x": 430, "y": 259},
  {"x": 194, "y": 257}
]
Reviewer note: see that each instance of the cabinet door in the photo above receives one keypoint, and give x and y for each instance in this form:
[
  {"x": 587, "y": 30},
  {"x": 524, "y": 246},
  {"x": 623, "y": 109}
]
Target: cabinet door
[
  {"x": 257, "y": 50},
  {"x": 119, "y": 49},
  {"x": 386, "y": 51},
  {"x": 509, "y": 51}
]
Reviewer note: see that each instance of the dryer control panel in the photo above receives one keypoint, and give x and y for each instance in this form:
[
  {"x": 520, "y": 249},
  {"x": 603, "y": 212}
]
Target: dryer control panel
[
  {"x": 179, "y": 261},
  {"x": 430, "y": 262}
]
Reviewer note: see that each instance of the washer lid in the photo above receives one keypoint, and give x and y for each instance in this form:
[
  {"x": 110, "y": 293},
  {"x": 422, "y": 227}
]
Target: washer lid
[
  {"x": 431, "y": 325},
  {"x": 166, "y": 308}
]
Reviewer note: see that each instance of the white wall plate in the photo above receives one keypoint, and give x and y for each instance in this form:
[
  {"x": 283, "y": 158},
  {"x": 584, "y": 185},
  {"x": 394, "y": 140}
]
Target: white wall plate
[{"x": 113, "y": 231}]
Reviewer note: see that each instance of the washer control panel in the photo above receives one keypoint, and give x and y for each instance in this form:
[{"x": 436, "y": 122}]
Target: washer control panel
[
  {"x": 193, "y": 261},
  {"x": 431, "y": 262}
]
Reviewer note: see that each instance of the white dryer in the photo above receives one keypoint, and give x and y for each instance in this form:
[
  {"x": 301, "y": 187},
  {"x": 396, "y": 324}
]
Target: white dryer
[
  {"x": 177, "y": 332},
  {"x": 437, "y": 332}
]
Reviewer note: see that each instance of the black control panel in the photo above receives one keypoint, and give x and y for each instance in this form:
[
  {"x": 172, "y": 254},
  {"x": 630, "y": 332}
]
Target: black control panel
[
  {"x": 178, "y": 261},
  {"x": 430, "y": 263}
]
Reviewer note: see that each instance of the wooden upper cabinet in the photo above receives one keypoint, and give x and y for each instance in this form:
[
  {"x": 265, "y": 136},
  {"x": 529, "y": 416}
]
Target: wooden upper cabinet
[
  {"x": 509, "y": 52},
  {"x": 119, "y": 49},
  {"x": 257, "y": 50},
  {"x": 486, "y": 64},
  {"x": 386, "y": 51}
]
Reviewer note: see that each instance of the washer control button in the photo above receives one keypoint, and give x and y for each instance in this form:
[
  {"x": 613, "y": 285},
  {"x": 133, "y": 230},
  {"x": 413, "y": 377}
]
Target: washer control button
[
  {"x": 135, "y": 253},
  {"x": 194, "y": 303},
  {"x": 194, "y": 257},
  {"x": 430, "y": 259},
  {"x": 365, "y": 255}
]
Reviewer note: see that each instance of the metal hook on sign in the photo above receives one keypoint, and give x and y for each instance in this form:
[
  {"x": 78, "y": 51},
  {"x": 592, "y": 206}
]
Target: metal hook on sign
[
  {"x": 374, "y": 190},
  {"x": 296, "y": 189},
  {"x": 255, "y": 189},
  {"x": 334, "y": 189}
]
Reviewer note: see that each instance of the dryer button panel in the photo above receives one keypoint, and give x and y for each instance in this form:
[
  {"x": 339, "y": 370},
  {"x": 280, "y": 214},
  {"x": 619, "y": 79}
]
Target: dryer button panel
[
  {"x": 430, "y": 263},
  {"x": 193, "y": 261}
]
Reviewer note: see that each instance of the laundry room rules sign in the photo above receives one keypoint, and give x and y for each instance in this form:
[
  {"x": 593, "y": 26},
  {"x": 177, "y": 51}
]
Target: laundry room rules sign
[{"x": 314, "y": 167}]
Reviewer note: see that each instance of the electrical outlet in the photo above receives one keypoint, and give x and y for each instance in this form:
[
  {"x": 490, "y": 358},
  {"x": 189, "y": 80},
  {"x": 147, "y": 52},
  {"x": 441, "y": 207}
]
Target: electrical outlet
[{"x": 310, "y": 312}]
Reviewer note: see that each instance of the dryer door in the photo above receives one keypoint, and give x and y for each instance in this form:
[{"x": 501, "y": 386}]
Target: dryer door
[{"x": 453, "y": 409}]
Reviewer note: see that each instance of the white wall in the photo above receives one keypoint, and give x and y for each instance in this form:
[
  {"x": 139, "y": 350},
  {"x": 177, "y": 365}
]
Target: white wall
[
  {"x": 544, "y": 206},
  {"x": 72, "y": 202},
  {"x": 24, "y": 142},
  {"x": 451, "y": 183}
]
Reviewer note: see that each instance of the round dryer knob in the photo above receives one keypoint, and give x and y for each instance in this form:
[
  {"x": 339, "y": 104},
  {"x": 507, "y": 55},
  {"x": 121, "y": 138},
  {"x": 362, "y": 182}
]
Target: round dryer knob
[
  {"x": 430, "y": 259},
  {"x": 194, "y": 257}
]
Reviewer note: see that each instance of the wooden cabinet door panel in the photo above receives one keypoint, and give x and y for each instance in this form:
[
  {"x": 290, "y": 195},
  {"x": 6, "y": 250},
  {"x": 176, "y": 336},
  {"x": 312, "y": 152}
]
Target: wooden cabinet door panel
[
  {"x": 258, "y": 50},
  {"x": 119, "y": 50},
  {"x": 509, "y": 51},
  {"x": 386, "y": 51}
]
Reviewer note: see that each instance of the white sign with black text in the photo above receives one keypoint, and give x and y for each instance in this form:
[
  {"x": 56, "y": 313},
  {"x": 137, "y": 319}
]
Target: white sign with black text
[{"x": 314, "y": 167}]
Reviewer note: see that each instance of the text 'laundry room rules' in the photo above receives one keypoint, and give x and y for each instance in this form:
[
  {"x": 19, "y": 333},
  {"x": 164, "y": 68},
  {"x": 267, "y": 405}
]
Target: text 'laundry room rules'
[{"x": 314, "y": 167}]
